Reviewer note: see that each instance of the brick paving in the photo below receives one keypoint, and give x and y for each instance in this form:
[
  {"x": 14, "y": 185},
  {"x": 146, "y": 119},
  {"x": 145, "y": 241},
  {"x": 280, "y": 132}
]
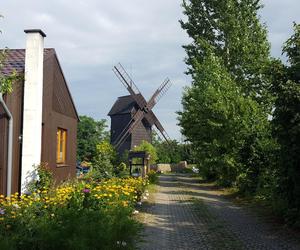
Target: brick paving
[{"x": 188, "y": 215}]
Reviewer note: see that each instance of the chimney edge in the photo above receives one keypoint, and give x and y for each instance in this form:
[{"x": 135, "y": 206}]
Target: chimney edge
[{"x": 35, "y": 31}]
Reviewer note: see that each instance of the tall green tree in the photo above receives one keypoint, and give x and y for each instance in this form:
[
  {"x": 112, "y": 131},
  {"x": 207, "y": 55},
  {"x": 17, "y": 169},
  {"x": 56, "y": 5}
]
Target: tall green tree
[
  {"x": 234, "y": 32},
  {"x": 90, "y": 133},
  {"x": 225, "y": 110},
  {"x": 218, "y": 120},
  {"x": 287, "y": 120}
]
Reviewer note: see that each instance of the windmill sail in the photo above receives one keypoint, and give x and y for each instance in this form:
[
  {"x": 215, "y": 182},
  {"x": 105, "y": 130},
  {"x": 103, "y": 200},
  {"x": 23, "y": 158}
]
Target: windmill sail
[
  {"x": 129, "y": 85},
  {"x": 144, "y": 108}
]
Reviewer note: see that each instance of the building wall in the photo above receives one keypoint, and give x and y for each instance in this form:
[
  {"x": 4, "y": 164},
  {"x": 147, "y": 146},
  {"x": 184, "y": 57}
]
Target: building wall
[
  {"x": 58, "y": 112},
  {"x": 141, "y": 133},
  {"x": 65, "y": 171},
  {"x": 53, "y": 118},
  {"x": 14, "y": 102},
  {"x": 118, "y": 123}
]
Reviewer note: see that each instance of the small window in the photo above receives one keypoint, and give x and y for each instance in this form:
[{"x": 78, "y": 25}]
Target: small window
[{"x": 61, "y": 146}]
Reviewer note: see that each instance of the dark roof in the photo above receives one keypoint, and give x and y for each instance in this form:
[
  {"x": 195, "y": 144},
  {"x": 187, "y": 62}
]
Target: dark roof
[
  {"x": 15, "y": 60},
  {"x": 123, "y": 105}
]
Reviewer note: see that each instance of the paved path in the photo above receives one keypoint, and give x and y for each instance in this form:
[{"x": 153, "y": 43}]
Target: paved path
[{"x": 190, "y": 215}]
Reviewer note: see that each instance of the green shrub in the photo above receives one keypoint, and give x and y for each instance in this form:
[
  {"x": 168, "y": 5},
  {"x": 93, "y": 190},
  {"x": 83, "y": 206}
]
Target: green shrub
[
  {"x": 152, "y": 177},
  {"x": 121, "y": 170},
  {"x": 75, "y": 215},
  {"x": 150, "y": 149},
  {"x": 44, "y": 180}
]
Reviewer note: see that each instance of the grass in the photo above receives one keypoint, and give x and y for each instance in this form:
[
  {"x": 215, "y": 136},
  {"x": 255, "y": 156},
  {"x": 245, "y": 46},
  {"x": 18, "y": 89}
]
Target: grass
[
  {"x": 146, "y": 204},
  {"x": 261, "y": 208},
  {"x": 152, "y": 188}
]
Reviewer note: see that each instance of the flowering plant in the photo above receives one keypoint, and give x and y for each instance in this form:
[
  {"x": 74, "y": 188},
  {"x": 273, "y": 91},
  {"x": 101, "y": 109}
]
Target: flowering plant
[{"x": 53, "y": 216}]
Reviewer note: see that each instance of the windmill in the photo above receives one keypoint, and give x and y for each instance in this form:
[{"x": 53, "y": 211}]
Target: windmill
[{"x": 132, "y": 118}]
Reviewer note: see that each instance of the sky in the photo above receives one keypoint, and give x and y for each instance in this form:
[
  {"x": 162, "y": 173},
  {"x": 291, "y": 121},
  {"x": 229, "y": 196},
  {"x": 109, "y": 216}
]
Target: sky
[{"x": 91, "y": 36}]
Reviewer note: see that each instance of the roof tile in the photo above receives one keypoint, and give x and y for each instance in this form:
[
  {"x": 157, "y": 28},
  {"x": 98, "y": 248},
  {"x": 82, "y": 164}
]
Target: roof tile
[{"x": 15, "y": 60}]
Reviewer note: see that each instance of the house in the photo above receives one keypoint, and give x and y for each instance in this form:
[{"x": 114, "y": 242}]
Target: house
[{"x": 44, "y": 127}]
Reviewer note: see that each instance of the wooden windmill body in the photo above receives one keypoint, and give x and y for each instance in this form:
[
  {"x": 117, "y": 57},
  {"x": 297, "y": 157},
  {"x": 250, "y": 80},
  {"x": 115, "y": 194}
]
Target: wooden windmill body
[{"x": 132, "y": 118}]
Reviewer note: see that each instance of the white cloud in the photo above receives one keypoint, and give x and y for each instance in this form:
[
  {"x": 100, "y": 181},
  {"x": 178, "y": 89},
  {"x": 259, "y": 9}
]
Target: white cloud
[{"x": 91, "y": 36}]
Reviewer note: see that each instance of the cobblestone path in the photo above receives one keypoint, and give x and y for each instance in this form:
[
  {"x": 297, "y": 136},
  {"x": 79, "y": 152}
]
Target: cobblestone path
[{"x": 188, "y": 215}]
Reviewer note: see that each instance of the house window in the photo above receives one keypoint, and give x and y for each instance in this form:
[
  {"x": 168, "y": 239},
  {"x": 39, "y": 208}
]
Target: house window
[{"x": 61, "y": 146}]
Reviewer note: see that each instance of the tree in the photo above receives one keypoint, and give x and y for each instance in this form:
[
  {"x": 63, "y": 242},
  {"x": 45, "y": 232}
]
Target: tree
[
  {"x": 173, "y": 151},
  {"x": 217, "y": 119},
  {"x": 233, "y": 31},
  {"x": 287, "y": 121},
  {"x": 89, "y": 134},
  {"x": 104, "y": 161},
  {"x": 149, "y": 148},
  {"x": 225, "y": 110}
]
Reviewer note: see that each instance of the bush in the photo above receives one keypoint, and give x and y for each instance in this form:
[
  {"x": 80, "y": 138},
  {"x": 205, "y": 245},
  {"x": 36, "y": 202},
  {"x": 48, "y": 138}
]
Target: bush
[
  {"x": 44, "y": 180},
  {"x": 102, "y": 165},
  {"x": 152, "y": 177},
  {"x": 150, "y": 149},
  {"x": 75, "y": 215},
  {"x": 121, "y": 170}
]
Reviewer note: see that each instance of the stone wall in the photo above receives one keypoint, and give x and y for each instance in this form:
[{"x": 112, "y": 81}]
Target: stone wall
[{"x": 169, "y": 167}]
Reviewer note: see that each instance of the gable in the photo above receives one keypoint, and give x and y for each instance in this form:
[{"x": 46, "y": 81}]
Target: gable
[{"x": 62, "y": 101}]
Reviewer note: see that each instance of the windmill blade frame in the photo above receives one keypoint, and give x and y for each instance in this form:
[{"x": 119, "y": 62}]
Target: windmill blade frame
[
  {"x": 138, "y": 117},
  {"x": 144, "y": 109},
  {"x": 129, "y": 84},
  {"x": 163, "y": 134},
  {"x": 159, "y": 93}
]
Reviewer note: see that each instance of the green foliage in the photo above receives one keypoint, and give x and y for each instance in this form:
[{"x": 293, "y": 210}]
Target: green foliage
[
  {"x": 82, "y": 230},
  {"x": 225, "y": 110},
  {"x": 241, "y": 113},
  {"x": 89, "y": 134},
  {"x": 287, "y": 124},
  {"x": 7, "y": 81},
  {"x": 172, "y": 151},
  {"x": 77, "y": 215},
  {"x": 44, "y": 180},
  {"x": 150, "y": 149},
  {"x": 152, "y": 177},
  {"x": 121, "y": 170},
  {"x": 233, "y": 31},
  {"x": 102, "y": 164},
  {"x": 227, "y": 120}
]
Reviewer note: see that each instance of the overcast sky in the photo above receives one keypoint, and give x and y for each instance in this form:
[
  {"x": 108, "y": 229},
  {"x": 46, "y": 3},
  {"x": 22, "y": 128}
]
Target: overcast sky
[{"x": 91, "y": 36}]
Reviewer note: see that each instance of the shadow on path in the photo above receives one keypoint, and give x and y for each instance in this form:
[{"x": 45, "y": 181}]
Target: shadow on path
[{"x": 191, "y": 215}]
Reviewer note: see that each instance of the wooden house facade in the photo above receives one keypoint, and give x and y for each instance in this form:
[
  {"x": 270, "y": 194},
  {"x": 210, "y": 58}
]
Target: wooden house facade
[{"x": 57, "y": 132}]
